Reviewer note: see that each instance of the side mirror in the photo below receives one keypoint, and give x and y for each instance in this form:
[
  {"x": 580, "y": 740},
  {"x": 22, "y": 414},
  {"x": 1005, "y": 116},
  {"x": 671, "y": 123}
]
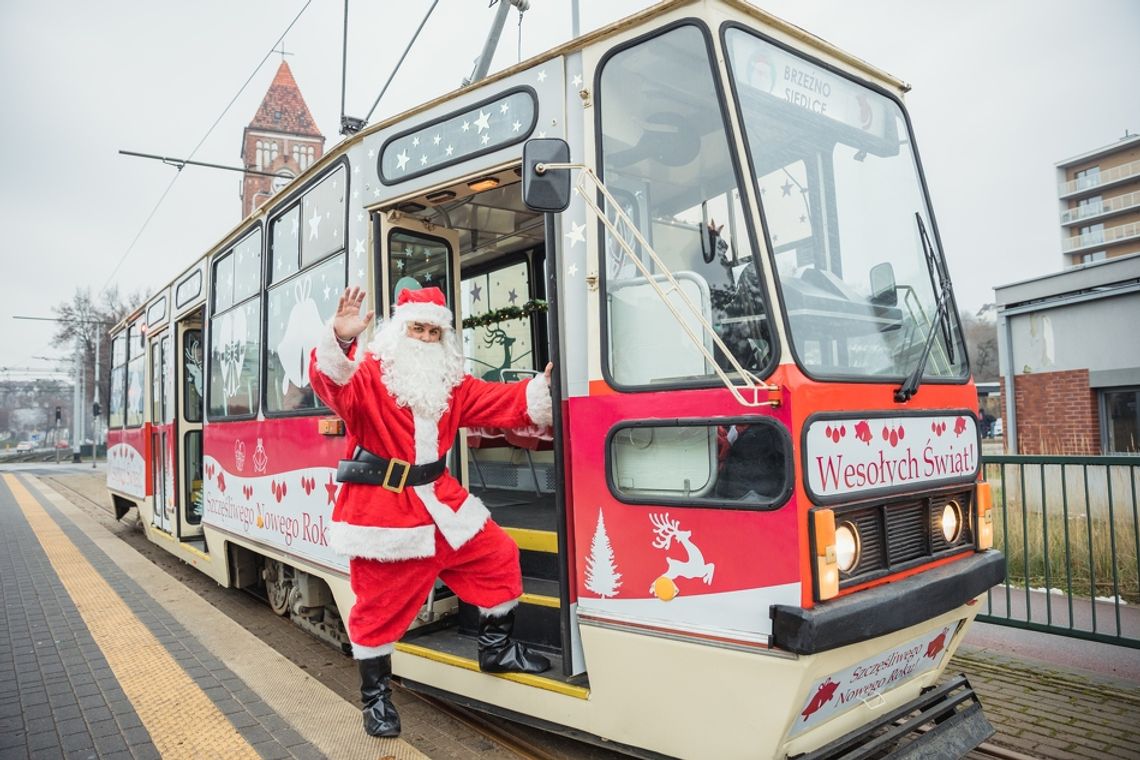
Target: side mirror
[
  {"x": 883, "y": 290},
  {"x": 550, "y": 191}
]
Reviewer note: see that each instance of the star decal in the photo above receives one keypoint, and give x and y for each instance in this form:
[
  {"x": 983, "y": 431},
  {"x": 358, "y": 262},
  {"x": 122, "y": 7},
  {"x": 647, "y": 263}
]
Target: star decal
[
  {"x": 314, "y": 223},
  {"x": 466, "y": 126},
  {"x": 504, "y": 108},
  {"x": 328, "y": 289},
  {"x": 542, "y": 133},
  {"x": 359, "y": 249},
  {"x": 476, "y": 290},
  {"x": 423, "y": 159},
  {"x": 512, "y": 296},
  {"x": 542, "y": 75},
  {"x": 577, "y": 80},
  {"x": 516, "y": 126},
  {"x": 572, "y": 270},
  {"x": 575, "y": 235},
  {"x": 435, "y": 140},
  {"x": 449, "y": 150},
  {"x": 485, "y": 139},
  {"x": 415, "y": 142},
  {"x": 401, "y": 160},
  {"x": 482, "y": 122},
  {"x": 371, "y": 153}
]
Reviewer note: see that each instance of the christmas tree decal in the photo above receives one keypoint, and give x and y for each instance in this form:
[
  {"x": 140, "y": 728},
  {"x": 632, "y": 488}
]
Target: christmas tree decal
[{"x": 602, "y": 576}]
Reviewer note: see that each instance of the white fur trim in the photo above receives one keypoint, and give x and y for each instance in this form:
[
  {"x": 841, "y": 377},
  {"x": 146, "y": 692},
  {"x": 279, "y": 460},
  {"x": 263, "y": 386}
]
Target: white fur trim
[
  {"x": 331, "y": 359},
  {"x": 499, "y": 609},
  {"x": 424, "y": 312},
  {"x": 457, "y": 527},
  {"x": 427, "y": 440},
  {"x": 538, "y": 404},
  {"x": 361, "y": 652},
  {"x": 384, "y": 544}
]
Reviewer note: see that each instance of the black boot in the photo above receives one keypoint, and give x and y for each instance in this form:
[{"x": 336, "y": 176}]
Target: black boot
[
  {"x": 380, "y": 717},
  {"x": 499, "y": 654}
]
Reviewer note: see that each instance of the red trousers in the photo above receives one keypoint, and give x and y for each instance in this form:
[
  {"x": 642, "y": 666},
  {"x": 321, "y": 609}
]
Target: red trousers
[{"x": 483, "y": 572}]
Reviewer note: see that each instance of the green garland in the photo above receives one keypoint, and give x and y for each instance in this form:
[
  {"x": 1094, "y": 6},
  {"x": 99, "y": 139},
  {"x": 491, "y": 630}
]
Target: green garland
[{"x": 534, "y": 306}]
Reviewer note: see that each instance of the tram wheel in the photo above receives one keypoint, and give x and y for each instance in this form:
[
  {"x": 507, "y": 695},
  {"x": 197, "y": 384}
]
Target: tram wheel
[{"x": 276, "y": 587}]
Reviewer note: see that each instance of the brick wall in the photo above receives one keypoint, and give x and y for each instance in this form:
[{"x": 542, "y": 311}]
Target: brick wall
[{"x": 1056, "y": 413}]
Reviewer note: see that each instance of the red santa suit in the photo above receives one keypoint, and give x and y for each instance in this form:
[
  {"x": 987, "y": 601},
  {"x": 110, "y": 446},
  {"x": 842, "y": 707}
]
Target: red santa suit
[{"x": 398, "y": 543}]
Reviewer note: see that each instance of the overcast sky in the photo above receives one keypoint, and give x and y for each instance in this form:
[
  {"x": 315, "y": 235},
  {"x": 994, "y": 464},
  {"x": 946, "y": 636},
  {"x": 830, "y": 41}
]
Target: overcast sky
[{"x": 1002, "y": 90}]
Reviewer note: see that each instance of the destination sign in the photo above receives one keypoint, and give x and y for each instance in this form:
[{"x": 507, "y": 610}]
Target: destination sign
[{"x": 490, "y": 125}]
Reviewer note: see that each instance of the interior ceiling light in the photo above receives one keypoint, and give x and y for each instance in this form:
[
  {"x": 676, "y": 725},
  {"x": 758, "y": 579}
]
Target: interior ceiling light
[
  {"x": 486, "y": 183},
  {"x": 440, "y": 196}
]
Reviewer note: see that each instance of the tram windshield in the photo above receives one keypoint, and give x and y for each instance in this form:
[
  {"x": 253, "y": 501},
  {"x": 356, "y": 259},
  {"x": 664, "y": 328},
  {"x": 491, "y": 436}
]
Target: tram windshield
[{"x": 839, "y": 187}]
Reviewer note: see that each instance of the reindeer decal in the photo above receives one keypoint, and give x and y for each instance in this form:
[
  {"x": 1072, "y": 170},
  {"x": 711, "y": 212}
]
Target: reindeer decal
[
  {"x": 694, "y": 566},
  {"x": 498, "y": 336}
]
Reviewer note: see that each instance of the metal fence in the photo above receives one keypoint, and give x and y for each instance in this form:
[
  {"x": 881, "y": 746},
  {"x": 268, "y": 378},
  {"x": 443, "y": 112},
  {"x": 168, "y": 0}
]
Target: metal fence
[{"x": 1069, "y": 528}]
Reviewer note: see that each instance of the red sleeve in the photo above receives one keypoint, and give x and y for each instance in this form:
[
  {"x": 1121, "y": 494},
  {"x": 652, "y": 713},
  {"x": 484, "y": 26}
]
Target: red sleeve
[{"x": 503, "y": 405}]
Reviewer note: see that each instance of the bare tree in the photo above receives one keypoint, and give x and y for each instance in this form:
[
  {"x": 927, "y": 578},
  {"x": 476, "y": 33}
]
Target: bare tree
[
  {"x": 981, "y": 342},
  {"x": 86, "y": 321}
]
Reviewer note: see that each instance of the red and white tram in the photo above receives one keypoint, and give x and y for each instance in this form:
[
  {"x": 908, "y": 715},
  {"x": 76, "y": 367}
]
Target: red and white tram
[{"x": 756, "y": 528}]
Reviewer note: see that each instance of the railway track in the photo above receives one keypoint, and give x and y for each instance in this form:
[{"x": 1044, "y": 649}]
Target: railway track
[{"x": 518, "y": 741}]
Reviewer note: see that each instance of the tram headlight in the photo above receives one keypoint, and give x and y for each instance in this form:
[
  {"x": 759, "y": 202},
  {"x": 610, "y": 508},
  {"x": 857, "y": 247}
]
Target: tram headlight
[
  {"x": 846, "y": 546},
  {"x": 951, "y": 522}
]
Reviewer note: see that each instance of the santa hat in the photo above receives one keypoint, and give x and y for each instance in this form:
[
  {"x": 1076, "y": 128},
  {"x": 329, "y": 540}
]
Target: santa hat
[{"x": 424, "y": 305}]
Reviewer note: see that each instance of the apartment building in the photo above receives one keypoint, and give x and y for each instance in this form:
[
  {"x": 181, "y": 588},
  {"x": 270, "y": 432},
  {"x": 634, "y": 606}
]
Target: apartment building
[{"x": 1099, "y": 193}]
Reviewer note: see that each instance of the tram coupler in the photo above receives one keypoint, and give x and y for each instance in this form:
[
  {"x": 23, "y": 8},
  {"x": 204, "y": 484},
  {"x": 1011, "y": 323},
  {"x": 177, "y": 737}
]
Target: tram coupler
[{"x": 945, "y": 722}]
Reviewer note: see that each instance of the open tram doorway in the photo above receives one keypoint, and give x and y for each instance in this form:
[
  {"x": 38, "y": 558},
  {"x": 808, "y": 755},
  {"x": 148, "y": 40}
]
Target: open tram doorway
[{"x": 480, "y": 244}]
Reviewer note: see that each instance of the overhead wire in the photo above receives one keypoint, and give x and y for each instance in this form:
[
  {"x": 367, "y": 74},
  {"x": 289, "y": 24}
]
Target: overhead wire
[{"x": 217, "y": 121}]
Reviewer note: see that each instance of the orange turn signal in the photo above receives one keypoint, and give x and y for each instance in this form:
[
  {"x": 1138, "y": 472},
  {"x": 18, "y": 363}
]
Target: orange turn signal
[
  {"x": 826, "y": 566},
  {"x": 983, "y": 510}
]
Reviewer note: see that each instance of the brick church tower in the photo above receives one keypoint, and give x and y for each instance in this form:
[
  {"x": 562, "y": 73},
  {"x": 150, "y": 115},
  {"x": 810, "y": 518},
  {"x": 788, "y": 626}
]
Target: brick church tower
[{"x": 282, "y": 139}]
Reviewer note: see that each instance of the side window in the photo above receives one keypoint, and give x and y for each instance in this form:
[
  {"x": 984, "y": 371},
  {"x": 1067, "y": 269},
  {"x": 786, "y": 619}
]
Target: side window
[
  {"x": 307, "y": 274},
  {"x": 235, "y": 330},
  {"x": 498, "y": 323},
  {"x": 193, "y": 496},
  {"x": 741, "y": 463},
  {"x": 158, "y": 380},
  {"x": 298, "y": 310},
  {"x": 116, "y": 413},
  {"x": 665, "y": 155},
  {"x": 136, "y": 371}
]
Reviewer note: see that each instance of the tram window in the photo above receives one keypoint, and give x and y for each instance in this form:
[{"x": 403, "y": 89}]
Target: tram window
[
  {"x": 285, "y": 245},
  {"x": 418, "y": 261},
  {"x": 136, "y": 369},
  {"x": 115, "y": 413},
  {"x": 192, "y": 390},
  {"x": 299, "y": 308},
  {"x": 740, "y": 463},
  {"x": 156, "y": 312},
  {"x": 237, "y": 274},
  {"x": 235, "y": 346},
  {"x": 188, "y": 289},
  {"x": 665, "y": 154},
  {"x": 323, "y": 218},
  {"x": 193, "y": 496},
  {"x": 158, "y": 394},
  {"x": 504, "y": 344}
]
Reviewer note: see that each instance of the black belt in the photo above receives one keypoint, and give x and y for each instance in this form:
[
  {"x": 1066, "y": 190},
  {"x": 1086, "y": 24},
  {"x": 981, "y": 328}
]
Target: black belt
[{"x": 393, "y": 474}]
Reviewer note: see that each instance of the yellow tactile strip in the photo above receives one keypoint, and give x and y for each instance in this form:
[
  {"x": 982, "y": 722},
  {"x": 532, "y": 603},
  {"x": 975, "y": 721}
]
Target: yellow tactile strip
[{"x": 181, "y": 719}]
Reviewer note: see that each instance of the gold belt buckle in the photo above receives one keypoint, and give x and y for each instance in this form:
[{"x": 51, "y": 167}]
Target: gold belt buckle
[{"x": 399, "y": 487}]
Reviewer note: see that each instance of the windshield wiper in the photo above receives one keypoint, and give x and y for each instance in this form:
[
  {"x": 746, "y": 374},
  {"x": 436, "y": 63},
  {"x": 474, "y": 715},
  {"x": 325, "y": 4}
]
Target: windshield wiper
[{"x": 941, "y": 318}]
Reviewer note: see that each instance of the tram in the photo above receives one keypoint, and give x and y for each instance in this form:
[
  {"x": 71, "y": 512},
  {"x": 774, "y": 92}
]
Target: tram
[{"x": 757, "y": 526}]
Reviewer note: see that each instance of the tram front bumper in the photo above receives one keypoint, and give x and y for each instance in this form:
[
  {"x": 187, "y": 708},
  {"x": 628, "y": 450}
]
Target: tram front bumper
[
  {"x": 884, "y": 609},
  {"x": 944, "y": 722}
]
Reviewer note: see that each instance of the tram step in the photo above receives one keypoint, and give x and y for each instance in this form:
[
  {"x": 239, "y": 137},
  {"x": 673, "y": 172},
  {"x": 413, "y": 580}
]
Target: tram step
[
  {"x": 538, "y": 552},
  {"x": 537, "y": 619}
]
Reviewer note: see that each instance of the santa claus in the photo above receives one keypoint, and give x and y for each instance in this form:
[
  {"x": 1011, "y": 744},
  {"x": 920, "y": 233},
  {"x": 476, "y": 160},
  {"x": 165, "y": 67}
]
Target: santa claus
[{"x": 400, "y": 517}]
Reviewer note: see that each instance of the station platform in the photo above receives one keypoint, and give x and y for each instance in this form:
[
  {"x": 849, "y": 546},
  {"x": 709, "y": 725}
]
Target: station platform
[
  {"x": 102, "y": 656},
  {"x": 106, "y": 654}
]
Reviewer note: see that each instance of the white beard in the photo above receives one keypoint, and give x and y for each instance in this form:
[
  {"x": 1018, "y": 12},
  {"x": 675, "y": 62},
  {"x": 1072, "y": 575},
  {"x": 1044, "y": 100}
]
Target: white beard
[{"x": 420, "y": 376}]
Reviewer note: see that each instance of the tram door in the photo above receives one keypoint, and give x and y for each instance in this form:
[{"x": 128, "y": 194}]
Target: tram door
[
  {"x": 161, "y": 432},
  {"x": 416, "y": 255},
  {"x": 188, "y": 381}
]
